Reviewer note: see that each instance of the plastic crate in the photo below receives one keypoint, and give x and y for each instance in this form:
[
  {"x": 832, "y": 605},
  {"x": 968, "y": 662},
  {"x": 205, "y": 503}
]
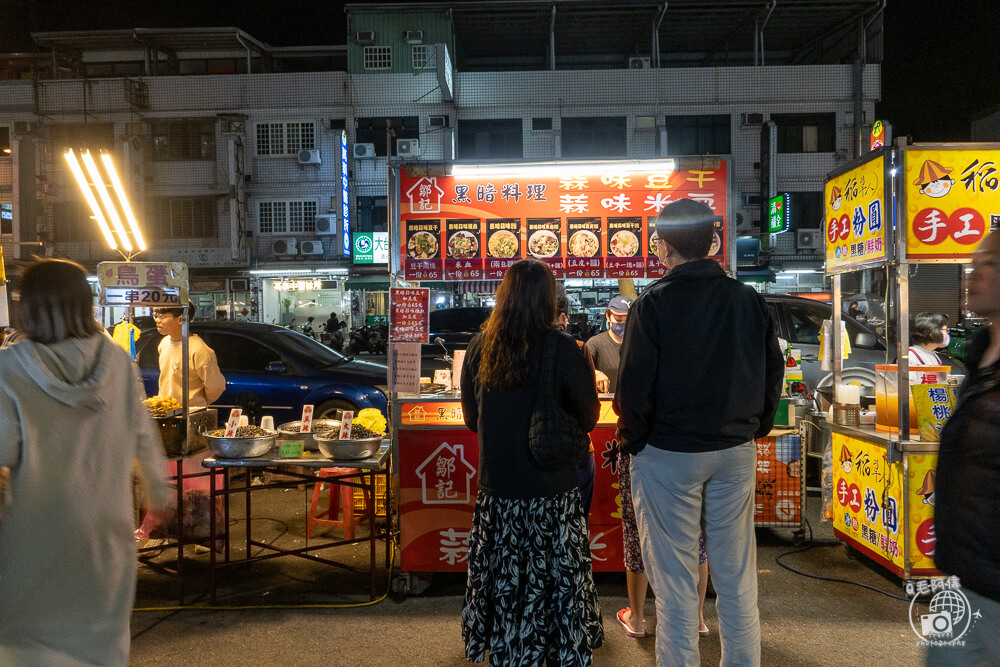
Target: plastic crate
[{"x": 359, "y": 498}]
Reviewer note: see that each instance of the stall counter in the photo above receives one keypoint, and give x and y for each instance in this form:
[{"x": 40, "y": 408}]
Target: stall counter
[{"x": 881, "y": 509}]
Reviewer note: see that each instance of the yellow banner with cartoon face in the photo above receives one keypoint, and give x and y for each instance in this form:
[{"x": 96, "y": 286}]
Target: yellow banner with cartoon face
[
  {"x": 952, "y": 201},
  {"x": 920, "y": 511},
  {"x": 856, "y": 214}
]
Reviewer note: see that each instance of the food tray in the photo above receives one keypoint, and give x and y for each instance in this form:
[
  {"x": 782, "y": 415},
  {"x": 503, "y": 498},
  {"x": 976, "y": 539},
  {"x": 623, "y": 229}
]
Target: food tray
[
  {"x": 241, "y": 448},
  {"x": 307, "y": 439},
  {"x": 348, "y": 450}
]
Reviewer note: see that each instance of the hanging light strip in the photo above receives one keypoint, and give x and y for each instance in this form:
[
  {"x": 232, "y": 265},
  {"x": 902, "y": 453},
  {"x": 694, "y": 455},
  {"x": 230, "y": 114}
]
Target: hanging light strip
[
  {"x": 102, "y": 191},
  {"x": 133, "y": 224},
  {"x": 88, "y": 194}
]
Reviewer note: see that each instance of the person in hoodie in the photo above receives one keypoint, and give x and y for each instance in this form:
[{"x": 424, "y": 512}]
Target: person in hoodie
[{"x": 71, "y": 423}]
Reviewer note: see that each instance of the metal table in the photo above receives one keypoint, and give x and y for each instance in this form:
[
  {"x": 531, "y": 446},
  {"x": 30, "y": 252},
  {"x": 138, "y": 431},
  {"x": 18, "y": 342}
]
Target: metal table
[{"x": 293, "y": 472}]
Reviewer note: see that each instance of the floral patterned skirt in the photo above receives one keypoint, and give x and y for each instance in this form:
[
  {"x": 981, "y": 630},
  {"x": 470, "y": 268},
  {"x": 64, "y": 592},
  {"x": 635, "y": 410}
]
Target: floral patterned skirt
[{"x": 530, "y": 596}]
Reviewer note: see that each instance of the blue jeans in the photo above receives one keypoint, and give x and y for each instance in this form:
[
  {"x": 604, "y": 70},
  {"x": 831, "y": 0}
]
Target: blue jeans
[
  {"x": 585, "y": 480},
  {"x": 982, "y": 641},
  {"x": 675, "y": 494}
]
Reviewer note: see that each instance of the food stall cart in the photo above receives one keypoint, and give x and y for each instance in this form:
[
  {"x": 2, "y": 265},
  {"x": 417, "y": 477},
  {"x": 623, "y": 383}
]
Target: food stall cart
[
  {"x": 472, "y": 222},
  {"x": 940, "y": 197}
]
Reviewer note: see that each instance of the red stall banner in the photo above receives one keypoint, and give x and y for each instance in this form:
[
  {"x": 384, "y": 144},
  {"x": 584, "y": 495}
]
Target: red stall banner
[
  {"x": 597, "y": 220},
  {"x": 778, "y": 498},
  {"x": 463, "y": 244},
  {"x": 409, "y": 309}
]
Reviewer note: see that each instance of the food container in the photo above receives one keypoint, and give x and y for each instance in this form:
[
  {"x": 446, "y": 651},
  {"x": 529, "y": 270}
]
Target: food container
[
  {"x": 241, "y": 448},
  {"x": 290, "y": 431},
  {"x": 887, "y": 393},
  {"x": 350, "y": 450}
]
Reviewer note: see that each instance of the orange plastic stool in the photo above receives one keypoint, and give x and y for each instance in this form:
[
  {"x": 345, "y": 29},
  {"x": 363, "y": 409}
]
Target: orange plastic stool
[{"x": 340, "y": 494}]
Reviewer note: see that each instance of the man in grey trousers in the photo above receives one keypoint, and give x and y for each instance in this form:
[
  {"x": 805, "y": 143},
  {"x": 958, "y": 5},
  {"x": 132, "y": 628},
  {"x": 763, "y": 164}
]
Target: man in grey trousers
[{"x": 699, "y": 379}]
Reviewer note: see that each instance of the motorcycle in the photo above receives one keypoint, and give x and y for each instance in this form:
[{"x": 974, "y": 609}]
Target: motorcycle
[
  {"x": 333, "y": 339},
  {"x": 368, "y": 339}
]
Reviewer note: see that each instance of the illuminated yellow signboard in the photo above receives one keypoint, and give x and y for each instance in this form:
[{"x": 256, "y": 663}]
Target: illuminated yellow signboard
[{"x": 856, "y": 217}]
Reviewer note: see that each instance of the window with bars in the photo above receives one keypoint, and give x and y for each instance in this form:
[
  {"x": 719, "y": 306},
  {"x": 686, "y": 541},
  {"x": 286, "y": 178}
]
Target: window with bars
[
  {"x": 698, "y": 135},
  {"x": 181, "y": 217},
  {"x": 286, "y": 216},
  {"x": 285, "y": 138},
  {"x": 493, "y": 138},
  {"x": 594, "y": 137},
  {"x": 183, "y": 140},
  {"x": 378, "y": 57},
  {"x": 423, "y": 56}
]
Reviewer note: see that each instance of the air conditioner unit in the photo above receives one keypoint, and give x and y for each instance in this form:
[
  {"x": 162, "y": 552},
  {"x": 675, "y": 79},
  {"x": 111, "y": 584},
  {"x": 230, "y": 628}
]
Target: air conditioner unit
[
  {"x": 809, "y": 239},
  {"x": 311, "y": 248},
  {"x": 414, "y": 37},
  {"x": 408, "y": 147},
  {"x": 239, "y": 284},
  {"x": 365, "y": 37},
  {"x": 326, "y": 224},
  {"x": 636, "y": 62},
  {"x": 364, "y": 151},
  {"x": 750, "y": 199},
  {"x": 747, "y": 119},
  {"x": 309, "y": 156},
  {"x": 437, "y": 121},
  {"x": 284, "y": 247}
]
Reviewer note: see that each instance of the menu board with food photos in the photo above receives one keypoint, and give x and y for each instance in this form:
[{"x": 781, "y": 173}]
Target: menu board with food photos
[
  {"x": 503, "y": 246},
  {"x": 463, "y": 249},
  {"x": 423, "y": 250},
  {"x": 625, "y": 258},
  {"x": 583, "y": 226},
  {"x": 584, "y": 258},
  {"x": 545, "y": 243}
]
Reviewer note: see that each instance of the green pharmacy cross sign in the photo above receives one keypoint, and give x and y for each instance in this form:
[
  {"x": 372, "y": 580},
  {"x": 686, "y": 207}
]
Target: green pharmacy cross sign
[{"x": 779, "y": 212}]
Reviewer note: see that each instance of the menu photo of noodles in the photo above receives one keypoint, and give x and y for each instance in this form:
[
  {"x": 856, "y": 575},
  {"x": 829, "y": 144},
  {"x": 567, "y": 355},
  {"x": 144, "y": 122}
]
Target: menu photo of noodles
[
  {"x": 545, "y": 243},
  {"x": 583, "y": 248},
  {"x": 463, "y": 250},
  {"x": 423, "y": 250},
  {"x": 503, "y": 246},
  {"x": 625, "y": 258}
]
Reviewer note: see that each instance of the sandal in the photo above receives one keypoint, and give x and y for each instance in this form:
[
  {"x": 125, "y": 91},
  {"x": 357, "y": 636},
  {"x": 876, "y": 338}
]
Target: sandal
[
  {"x": 625, "y": 626},
  {"x": 703, "y": 631}
]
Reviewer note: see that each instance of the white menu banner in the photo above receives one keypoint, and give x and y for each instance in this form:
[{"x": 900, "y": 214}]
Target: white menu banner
[{"x": 404, "y": 359}]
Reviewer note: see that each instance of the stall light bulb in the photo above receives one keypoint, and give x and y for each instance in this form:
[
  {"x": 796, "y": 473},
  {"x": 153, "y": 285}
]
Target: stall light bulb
[
  {"x": 81, "y": 180},
  {"x": 116, "y": 183},
  {"x": 109, "y": 206}
]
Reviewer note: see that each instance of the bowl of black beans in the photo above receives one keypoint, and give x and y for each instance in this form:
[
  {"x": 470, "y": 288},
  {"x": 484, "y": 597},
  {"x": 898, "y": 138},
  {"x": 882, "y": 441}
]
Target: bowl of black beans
[
  {"x": 248, "y": 442},
  {"x": 362, "y": 444}
]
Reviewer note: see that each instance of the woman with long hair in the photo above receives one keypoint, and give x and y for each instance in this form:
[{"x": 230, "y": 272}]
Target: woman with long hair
[
  {"x": 71, "y": 423},
  {"x": 530, "y": 596}
]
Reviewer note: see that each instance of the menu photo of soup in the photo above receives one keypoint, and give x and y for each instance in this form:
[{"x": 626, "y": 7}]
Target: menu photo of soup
[
  {"x": 584, "y": 258},
  {"x": 625, "y": 258},
  {"x": 653, "y": 267},
  {"x": 545, "y": 242},
  {"x": 422, "y": 252},
  {"x": 463, "y": 250},
  {"x": 503, "y": 246}
]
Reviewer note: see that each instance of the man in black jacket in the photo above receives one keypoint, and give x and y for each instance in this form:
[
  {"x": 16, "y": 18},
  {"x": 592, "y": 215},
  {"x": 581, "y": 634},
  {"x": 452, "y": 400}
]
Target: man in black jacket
[
  {"x": 699, "y": 379},
  {"x": 966, "y": 504}
]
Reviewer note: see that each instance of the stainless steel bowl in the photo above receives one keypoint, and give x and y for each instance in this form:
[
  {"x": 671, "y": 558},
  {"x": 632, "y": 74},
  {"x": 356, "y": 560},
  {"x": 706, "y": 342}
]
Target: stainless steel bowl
[
  {"x": 241, "y": 448},
  {"x": 348, "y": 450},
  {"x": 307, "y": 439}
]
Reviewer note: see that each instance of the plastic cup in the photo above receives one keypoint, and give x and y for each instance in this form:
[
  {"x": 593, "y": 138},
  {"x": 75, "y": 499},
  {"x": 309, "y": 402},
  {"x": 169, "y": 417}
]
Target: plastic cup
[
  {"x": 267, "y": 422},
  {"x": 244, "y": 421}
]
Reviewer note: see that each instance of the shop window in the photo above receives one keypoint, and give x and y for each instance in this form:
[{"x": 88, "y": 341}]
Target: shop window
[
  {"x": 183, "y": 140},
  {"x": 372, "y": 215},
  {"x": 286, "y": 216},
  {"x": 287, "y": 138},
  {"x": 698, "y": 135},
  {"x": 423, "y": 56},
  {"x": 806, "y": 132},
  {"x": 603, "y": 136},
  {"x": 373, "y": 131},
  {"x": 4, "y": 142},
  {"x": 6, "y": 219},
  {"x": 378, "y": 57},
  {"x": 238, "y": 354},
  {"x": 490, "y": 139},
  {"x": 181, "y": 218}
]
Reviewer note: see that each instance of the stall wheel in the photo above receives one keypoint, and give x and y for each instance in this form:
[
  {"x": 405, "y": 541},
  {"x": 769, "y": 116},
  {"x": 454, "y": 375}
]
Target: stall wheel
[
  {"x": 851, "y": 552},
  {"x": 798, "y": 538},
  {"x": 401, "y": 586}
]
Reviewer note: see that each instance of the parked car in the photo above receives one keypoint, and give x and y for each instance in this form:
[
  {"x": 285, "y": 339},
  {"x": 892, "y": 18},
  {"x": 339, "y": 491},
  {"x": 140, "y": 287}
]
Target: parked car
[
  {"x": 455, "y": 327},
  {"x": 274, "y": 371}
]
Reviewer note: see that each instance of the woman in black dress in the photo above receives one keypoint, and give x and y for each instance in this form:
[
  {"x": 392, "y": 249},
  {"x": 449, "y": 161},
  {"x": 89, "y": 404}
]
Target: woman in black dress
[{"x": 530, "y": 596}]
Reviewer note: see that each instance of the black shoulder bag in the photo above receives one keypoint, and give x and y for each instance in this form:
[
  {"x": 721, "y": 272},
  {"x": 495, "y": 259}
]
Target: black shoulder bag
[{"x": 555, "y": 436}]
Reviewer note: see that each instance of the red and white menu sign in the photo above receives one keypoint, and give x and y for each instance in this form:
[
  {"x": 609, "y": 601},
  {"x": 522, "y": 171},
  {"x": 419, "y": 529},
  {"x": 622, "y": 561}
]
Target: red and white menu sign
[
  {"x": 307, "y": 419},
  {"x": 408, "y": 314}
]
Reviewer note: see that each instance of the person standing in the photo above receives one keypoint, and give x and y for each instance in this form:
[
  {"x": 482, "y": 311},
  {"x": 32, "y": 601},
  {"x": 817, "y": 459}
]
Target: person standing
[
  {"x": 966, "y": 504},
  {"x": 530, "y": 597},
  {"x": 71, "y": 423},
  {"x": 605, "y": 347},
  {"x": 205, "y": 381},
  {"x": 928, "y": 333},
  {"x": 699, "y": 379}
]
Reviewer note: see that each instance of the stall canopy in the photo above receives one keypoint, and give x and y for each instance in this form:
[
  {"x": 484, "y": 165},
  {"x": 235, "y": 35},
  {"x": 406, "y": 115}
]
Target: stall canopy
[
  {"x": 376, "y": 283},
  {"x": 756, "y": 275}
]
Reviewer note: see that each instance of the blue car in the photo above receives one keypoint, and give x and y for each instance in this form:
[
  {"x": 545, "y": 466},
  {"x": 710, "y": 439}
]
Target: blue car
[{"x": 274, "y": 371}]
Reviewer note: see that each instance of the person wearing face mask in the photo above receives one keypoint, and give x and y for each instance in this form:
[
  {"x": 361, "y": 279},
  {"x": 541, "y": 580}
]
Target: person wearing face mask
[
  {"x": 605, "y": 347},
  {"x": 928, "y": 333}
]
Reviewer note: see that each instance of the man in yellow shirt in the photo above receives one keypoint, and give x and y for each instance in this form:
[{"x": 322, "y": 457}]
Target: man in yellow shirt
[{"x": 205, "y": 380}]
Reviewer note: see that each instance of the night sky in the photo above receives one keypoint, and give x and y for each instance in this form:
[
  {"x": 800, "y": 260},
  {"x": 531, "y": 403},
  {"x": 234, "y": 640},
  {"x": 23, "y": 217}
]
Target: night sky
[{"x": 940, "y": 65}]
